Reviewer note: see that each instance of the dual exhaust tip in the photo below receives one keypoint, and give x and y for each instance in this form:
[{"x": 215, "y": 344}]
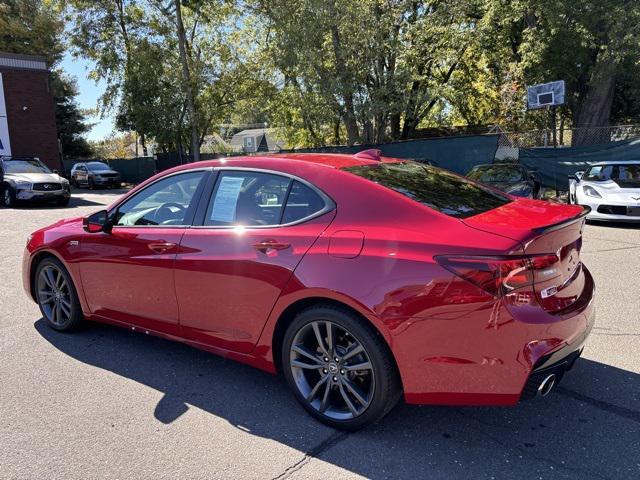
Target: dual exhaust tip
[{"x": 547, "y": 384}]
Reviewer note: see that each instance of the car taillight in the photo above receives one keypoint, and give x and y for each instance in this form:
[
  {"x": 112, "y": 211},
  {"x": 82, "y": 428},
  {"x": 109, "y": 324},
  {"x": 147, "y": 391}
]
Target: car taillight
[{"x": 500, "y": 275}]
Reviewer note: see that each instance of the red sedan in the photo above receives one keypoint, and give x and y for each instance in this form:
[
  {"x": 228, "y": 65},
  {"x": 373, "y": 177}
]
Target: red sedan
[{"x": 361, "y": 279}]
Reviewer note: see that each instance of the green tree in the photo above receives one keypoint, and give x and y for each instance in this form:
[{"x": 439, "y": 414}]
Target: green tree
[
  {"x": 381, "y": 68},
  {"x": 35, "y": 27},
  {"x": 71, "y": 121},
  {"x": 588, "y": 43},
  {"x": 31, "y": 27}
]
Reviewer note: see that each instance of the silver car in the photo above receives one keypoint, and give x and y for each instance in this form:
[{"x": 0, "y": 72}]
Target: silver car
[{"x": 28, "y": 179}]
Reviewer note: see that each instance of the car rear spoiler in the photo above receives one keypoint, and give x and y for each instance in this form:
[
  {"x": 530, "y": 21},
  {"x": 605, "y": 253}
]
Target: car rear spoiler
[{"x": 557, "y": 226}]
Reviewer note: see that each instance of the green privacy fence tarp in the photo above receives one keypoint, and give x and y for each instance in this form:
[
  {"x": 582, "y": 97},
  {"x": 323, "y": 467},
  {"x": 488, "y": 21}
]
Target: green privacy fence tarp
[
  {"x": 458, "y": 154},
  {"x": 554, "y": 164}
]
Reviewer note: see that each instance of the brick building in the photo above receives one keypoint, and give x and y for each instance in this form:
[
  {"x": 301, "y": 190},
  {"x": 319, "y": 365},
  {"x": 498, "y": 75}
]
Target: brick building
[{"x": 27, "y": 115}]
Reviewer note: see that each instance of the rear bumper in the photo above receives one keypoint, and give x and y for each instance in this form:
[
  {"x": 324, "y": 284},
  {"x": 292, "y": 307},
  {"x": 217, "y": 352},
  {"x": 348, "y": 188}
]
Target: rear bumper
[
  {"x": 557, "y": 368},
  {"x": 490, "y": 356}
]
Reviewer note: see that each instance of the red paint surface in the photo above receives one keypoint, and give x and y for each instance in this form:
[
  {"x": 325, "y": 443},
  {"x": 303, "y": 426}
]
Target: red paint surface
[{"x": 453, "y": 342}]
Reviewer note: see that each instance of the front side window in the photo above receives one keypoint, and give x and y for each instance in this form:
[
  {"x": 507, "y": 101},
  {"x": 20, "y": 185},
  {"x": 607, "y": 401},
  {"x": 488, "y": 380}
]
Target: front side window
[
  {"x": 438, "y": 189},
  {"x": 165, "y": 202}
]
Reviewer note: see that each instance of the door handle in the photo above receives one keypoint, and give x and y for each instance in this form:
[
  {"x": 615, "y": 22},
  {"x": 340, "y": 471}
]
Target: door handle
[
  {"x": 161, "y": 247},
  {"x": 266, "y": 245}
]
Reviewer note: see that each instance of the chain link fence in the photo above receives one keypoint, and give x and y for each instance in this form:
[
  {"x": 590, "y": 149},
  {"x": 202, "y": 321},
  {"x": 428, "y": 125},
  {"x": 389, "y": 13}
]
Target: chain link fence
[{"x": 569, "y": 137}]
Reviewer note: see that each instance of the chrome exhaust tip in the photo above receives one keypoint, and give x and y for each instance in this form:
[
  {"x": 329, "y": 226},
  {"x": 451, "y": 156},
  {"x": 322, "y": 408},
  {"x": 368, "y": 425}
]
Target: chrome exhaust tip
[{"x": 546, "y": 385}]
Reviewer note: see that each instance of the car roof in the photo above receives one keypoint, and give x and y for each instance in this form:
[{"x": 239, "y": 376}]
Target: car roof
[{"x": 282, "y": 160}]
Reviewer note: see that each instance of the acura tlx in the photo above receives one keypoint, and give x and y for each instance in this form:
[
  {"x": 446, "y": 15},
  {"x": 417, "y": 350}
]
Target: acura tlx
[{"x": 361, "y": 279}]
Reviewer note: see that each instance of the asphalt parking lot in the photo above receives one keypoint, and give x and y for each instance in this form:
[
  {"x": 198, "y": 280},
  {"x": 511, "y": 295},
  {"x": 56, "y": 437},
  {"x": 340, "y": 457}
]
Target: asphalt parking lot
[{"x": 108, "y": 403}]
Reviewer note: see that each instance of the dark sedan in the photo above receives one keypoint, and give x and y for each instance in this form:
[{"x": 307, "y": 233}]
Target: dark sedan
[{"x": 511, "y": 178}]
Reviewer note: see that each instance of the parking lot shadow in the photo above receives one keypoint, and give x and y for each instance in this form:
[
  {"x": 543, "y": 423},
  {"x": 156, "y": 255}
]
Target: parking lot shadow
[
  {"x": 73, "y": 203},
  {"x": 588, "y": 428}
]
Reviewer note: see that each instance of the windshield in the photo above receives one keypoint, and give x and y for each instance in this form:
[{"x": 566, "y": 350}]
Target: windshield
[
  {"x": 25, "y": 166},
  {"x": 439, "y": 189},
  {"x": 626, "y": 176},
  {"x": 496, "y": 173},
  {"x": 98, "y": 166}
]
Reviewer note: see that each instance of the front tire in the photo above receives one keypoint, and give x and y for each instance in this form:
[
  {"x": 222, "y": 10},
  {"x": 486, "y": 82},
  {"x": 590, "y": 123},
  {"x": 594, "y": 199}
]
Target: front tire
[
  {"x": 339, "y": 368},
  {"x": 8, "y": 196},
  {"x": 57, "y": 296}
]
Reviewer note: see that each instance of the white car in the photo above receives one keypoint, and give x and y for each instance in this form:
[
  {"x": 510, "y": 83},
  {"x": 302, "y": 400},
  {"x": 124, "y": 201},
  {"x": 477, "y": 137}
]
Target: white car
[{"x": 611, "y": 189}]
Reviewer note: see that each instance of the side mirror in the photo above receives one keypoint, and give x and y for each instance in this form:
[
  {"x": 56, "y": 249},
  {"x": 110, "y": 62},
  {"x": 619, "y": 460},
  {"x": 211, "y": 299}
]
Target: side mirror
[
  {"x": 96, "y": 222},
  {"x": 580, "y": 174}
]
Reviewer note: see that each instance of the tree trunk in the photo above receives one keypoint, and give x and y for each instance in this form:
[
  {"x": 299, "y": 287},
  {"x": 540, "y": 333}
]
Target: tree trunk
[
  {"x": 143, "y": 142},
  {"x": 336, "y": 131},
  {"x": 346, "y": 92},
  {"x": 195, "y": 144},
  {"x": 395, "y": 126},
  {"x": 594, "y": 112}
]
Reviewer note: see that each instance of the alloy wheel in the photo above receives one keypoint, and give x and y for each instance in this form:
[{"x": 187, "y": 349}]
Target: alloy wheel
[
  {"x": 332, "y": 370},
  {"x": 7, "y": 197},
  {"x": 54, "y": 295}
]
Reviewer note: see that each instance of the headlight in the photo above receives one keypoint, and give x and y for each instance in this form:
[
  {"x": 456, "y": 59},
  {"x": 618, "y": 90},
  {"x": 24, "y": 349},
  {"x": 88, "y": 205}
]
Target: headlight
[
  {"x": 24, "y": 185},
  {"x": 592, "y": 192}
]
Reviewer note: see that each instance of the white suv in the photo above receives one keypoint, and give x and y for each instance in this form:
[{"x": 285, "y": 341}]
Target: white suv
[{"x": 28, "y": 179}]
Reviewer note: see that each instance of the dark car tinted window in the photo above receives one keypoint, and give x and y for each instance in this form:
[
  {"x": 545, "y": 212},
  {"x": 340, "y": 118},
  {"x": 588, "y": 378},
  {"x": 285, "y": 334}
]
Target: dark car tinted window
[
  {"x": 301, "y": 203},
  {"x": 497, "y": 173},
  {"x": 441, "y": 190}
]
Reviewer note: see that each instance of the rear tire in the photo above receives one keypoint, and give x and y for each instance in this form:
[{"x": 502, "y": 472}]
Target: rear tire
[
  {"x": 340, "y": 388},
  {"x": 57, "y": 296}
]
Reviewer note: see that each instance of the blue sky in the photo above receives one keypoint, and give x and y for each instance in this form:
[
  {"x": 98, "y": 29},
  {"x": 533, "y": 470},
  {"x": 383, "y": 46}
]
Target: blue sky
[{"x": 88, "y": 94}]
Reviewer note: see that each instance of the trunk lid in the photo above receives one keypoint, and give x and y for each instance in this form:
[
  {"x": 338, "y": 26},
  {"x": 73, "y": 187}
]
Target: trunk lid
[{"x": 544, "y": 229}]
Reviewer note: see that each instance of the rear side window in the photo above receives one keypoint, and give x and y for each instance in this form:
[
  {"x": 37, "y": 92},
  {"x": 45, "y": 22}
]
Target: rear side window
[
  {"x": 438, "y": 189},
  {"x": 301, "y": 203}
]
